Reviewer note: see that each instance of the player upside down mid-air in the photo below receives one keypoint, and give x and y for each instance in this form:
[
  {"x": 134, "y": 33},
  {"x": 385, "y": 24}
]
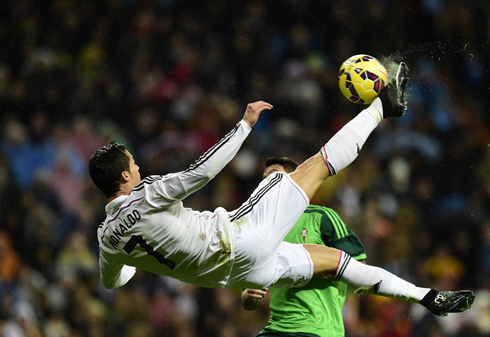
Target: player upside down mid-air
[{"x": 148, "y": 227}]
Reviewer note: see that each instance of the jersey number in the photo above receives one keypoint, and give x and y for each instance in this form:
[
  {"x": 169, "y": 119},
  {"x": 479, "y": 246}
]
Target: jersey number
[{"x": 138, "y": 240}]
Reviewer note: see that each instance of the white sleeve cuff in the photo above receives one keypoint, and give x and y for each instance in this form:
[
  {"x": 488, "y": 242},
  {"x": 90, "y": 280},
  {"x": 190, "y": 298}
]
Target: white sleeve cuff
[{"x": 246, "y": 126}]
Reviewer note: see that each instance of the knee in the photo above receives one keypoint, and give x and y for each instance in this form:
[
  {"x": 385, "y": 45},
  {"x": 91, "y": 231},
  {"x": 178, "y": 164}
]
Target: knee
[{"x": 325, "y": 260}]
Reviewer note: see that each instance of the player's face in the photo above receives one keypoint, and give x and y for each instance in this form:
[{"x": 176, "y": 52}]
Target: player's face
[
  {"x": 273, "y": 168},
  {"x": 134, "y": 170}
]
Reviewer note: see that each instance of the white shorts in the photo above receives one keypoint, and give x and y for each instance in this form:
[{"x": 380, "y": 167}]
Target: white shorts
[{"x": 258, "y": 229}]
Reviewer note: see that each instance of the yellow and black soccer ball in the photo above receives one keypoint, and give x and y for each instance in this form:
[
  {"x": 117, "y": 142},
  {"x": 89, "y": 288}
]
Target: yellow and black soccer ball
[{"x": 361, "y": 78}]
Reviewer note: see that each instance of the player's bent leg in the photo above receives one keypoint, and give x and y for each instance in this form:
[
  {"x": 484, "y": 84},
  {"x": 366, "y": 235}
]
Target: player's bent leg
[
  {"x": 325, "y": 260},
  {"x": 375, "y": 280},
  {"x": 295, "y": 270},
  {"x": 333, "y": 263}
]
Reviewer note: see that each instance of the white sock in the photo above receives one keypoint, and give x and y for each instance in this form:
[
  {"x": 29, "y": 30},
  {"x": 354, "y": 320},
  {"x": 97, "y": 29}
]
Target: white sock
[
  {"x": 345, "y": 145},
  {"x": 376, "y": 280},
  {"x": 376, "y": 110}
]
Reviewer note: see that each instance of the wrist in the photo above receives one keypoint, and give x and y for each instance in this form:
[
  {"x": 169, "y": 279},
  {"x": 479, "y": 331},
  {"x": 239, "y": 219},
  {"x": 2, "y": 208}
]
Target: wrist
[{"x": 246, "y": 125}]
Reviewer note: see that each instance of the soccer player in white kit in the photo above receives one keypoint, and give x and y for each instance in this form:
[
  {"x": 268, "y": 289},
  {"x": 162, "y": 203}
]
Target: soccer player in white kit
[{"x": 148, "y": 227}]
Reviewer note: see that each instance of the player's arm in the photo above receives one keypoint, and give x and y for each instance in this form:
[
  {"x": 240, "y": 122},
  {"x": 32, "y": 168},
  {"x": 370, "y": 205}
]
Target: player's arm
[
  {"x": 180, "y": 185},
  {"x": 112, "y": 274},
  {"x": 251, "y": 298}
]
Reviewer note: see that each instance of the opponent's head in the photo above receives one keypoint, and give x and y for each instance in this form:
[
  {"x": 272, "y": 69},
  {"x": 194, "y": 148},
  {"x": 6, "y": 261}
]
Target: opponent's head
[
  {"x": 281, "y": 164},
  {"x": 111, "y": 167}
]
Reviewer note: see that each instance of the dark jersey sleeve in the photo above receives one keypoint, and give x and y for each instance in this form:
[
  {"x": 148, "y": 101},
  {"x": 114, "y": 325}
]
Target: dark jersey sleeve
[{"x": 336, "y": 234}]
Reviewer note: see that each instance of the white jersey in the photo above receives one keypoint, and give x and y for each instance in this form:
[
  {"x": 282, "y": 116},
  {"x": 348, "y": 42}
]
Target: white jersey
[{"x": 150, "y": 228}]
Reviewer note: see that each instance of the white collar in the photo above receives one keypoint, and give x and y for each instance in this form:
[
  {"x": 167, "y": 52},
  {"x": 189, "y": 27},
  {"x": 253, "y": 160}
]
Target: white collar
[{"x": 112, "y": 206}]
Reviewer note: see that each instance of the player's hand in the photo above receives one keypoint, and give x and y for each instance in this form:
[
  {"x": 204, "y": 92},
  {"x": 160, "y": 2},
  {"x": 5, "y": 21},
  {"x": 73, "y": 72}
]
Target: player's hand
[
  {"x": 257, "y": 293},
  {"x": 251, "y": 298},
  {"x": 254, "y": 110}
]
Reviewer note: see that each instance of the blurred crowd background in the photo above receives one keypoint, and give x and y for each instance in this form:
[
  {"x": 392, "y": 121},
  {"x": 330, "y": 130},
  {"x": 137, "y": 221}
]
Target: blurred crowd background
[{"x": 169, "y": 78}]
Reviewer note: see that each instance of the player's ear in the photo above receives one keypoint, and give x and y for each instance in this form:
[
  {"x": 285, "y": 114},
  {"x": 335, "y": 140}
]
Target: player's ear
[{"x": 125, "y": 176}]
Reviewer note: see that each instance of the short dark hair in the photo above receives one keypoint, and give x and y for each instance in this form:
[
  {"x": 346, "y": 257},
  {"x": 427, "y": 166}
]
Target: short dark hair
[
  {"x": 106, "y": 165},
  {"x": 286, "y": 162}
]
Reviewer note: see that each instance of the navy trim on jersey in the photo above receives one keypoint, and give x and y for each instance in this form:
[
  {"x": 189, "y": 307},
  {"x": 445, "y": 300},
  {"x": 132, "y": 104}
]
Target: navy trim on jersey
[
  {"x": 202, "y": 159},
  {"x": 247, "y": 208},
  {"x": 148, "y": 180}
]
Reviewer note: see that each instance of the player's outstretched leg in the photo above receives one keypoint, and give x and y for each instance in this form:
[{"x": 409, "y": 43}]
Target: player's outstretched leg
[
  {"x": 375, "y": 280},
  {"x": 393, "y": 96},
  {"x": 346, "y": 144},
  {"x": 333, "y": 263}
]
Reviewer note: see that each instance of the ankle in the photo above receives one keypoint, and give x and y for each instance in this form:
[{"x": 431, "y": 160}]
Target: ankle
[{"x": 376, "y": 110}]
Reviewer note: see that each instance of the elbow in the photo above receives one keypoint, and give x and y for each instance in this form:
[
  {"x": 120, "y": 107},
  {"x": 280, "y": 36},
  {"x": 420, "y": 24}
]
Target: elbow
[
  {"x": 111, "y": 281},
  {"x": 108, "y": 282},
  {"x": 209, "y": 176}
]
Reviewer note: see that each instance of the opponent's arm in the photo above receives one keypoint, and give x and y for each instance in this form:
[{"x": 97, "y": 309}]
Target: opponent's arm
[
  {"x": 251, "y": 298},
  {"x": 114, "y": 275},
  {"x": 180, "y": 185},
  {"x": 336, "y": 234}
]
